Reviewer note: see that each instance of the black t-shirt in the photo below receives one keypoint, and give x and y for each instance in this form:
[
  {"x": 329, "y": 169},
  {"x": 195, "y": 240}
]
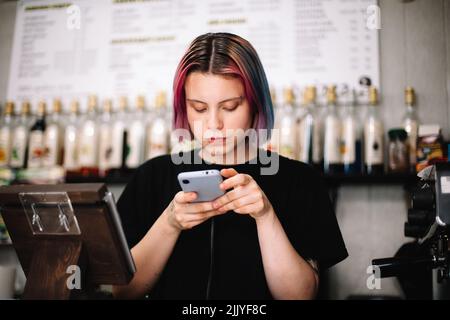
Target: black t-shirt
[{"x": 300, "y": 201}]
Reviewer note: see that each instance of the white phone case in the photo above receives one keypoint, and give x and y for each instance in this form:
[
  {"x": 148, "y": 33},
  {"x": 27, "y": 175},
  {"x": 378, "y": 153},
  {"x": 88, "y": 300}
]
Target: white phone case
[{"x": 205, "y": 183}]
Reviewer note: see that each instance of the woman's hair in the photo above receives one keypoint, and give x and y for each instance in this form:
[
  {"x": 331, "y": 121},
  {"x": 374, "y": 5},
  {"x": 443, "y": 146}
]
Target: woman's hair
[{"x": 229, "y": 55}]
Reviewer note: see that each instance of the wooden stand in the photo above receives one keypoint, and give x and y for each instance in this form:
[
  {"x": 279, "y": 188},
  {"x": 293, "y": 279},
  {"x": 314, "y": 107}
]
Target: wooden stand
[
  {"x": 48, "y": 276},
  {"x": 99, "y": 249}
]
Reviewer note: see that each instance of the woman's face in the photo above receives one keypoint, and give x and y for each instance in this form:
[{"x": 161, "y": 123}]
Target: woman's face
[{"x": 216, "y": 109}]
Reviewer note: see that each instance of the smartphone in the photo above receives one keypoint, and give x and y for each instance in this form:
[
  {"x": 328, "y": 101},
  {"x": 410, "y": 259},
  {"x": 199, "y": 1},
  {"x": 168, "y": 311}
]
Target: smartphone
[{"x": 205, "y": 183}]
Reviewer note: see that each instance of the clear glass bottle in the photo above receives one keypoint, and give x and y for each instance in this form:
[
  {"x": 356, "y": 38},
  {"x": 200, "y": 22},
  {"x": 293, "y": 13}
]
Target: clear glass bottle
[
  {"x": 398, "y": 151},
  {"x": 287, "y": 126},
  {"x": 53, "y": 138},
  {"x": 158, "y": 133},
  {"x": 351, "y": 135},
  {"x": 6, "y": 128},
  {"x": 306, "y": 126},
  {"x": 20, "y": 137},
  {"x": 119, "y": 132},
  {"x": 411, "y": 124},
  {"x": 373, "y": 137},
  {"x": 36, "y": 140},
  {"x": 70, "y": 159},
  {"x": 88, "y": 140},
  {"x": 136, "y": 135},
  {"x": 105, "y": 147},
  {"x": 332, "y": 135}
]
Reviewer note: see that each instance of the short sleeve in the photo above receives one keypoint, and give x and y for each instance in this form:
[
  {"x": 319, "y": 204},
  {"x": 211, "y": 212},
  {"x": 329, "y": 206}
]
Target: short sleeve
[{"x": 312, "y": 224}]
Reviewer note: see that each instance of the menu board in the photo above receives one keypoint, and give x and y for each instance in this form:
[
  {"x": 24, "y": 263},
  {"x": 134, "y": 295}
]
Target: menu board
[{"x": 128, "y": 47}]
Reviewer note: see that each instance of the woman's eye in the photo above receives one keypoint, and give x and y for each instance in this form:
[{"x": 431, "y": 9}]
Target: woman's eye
[
  {"x": 231, "y": 108},
  {"x": 200, "y": 110}
]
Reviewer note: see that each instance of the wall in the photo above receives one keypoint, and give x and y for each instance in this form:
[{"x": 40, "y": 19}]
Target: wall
[{"x": 415, "y": 50}]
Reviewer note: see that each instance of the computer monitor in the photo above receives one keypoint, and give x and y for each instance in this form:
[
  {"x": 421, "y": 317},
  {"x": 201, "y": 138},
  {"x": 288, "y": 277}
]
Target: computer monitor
[{"x": 68, "y": 238}]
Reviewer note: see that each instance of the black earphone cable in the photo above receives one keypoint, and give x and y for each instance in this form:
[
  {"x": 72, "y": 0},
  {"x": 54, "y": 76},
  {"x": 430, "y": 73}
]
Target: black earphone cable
[{"x": 211, "y": 261}]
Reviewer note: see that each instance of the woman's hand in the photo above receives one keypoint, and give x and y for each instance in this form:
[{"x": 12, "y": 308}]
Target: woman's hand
[
  {"x": 245, "y": 198},
  {"x": 182, "y": 214}
]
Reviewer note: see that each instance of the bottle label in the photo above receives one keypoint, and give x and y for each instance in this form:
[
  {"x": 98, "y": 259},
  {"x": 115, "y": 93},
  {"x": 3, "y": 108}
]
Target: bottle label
[
  {"x": 317, "y": 142},
  {"x": 52, "y": 146},
  {"x": 36, "y": 149},
  {"x": 135, "y": 145},
  {"x": 157, "y": 140},
  {"x": 87, "y": 156},
  {"x": 348, "y": 141},
  {"x": 373, "y": 145},
  {"x": 70, "y": 148},
  {"x": 332, "y": 143},
  {"x": 305, "y": 133},
  {"x": 19, "y": 145},
  {"x": 287, "y": 138},
  {"x": 5, "y": 138}
]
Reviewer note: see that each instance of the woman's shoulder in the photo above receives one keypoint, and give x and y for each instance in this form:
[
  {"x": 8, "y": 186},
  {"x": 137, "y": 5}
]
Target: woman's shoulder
[
  {"x": 157, "y": 163},
  {"x": 294, "y": 168}
]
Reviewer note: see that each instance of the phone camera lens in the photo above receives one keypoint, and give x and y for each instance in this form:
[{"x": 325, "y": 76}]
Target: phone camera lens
[
  {"x": 207, "y": 172},
  {"x": 185, "y": 181}
]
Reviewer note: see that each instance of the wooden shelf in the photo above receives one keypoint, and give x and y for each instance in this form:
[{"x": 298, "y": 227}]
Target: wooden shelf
[
  {"x": 389, "y": 179},
  {"x": 5, "y": 243}
]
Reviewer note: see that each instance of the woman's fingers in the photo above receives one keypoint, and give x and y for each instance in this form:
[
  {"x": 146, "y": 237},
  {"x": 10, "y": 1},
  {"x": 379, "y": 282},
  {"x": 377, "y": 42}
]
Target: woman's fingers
[
  {"x": 227, "y": 173},
  {"x": 240, "y": 202},
  {"x": 236, "y": 180},
  {"x": 228, "y": 197},
  {"x": 185, "y": 197},
  {"x": 199, "y": 207}
]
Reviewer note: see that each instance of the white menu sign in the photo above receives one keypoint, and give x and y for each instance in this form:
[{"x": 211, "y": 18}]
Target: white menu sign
[{"x": 113, "y": 47}]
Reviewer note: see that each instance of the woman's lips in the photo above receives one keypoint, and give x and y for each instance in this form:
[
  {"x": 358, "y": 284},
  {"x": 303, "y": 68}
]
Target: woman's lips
[{"x": 216, "y": 140}]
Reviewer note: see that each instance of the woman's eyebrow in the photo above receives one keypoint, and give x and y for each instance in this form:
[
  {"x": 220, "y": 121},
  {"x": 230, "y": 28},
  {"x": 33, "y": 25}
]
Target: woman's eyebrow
[
  {"x": 226, "y": 100},
  {"x": 195, "y": 100},
  {"x": 231, "y": 99}
]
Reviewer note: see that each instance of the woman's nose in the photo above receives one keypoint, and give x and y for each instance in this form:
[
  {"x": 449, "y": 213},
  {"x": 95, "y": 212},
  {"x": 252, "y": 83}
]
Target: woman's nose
[{"x": 214, "y": 121}]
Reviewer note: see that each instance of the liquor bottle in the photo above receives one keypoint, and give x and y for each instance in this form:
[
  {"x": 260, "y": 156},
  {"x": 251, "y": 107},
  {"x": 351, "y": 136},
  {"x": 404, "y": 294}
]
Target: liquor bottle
[
  {"x": 20, "y": 137},
  {"x": 411, "y": 125},
  {"x": 373, "y": 137},
  {"x": 6, "y": 128},
  {"x": 287, "y": 125},
  {"x": 306, "y": 126},
  {"x": 158, "y": 131},
  {"x": 135, "y": 136},
  {"x": 36, "y": 138},
  {"x": 70, "y": 161},
  {"x": 351, "y": 135},
  {"x": 118, "y": 133},
  {"x": 105, "y": 143},
  {"x": 332, "y": 148},
  {"x": 53, "y": 138},
  {"x": 88, "y": 140}
]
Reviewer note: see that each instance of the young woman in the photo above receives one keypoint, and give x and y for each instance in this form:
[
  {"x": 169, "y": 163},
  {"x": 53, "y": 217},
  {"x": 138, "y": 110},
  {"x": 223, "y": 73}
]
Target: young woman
[{"x": 267, "y": 236}]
